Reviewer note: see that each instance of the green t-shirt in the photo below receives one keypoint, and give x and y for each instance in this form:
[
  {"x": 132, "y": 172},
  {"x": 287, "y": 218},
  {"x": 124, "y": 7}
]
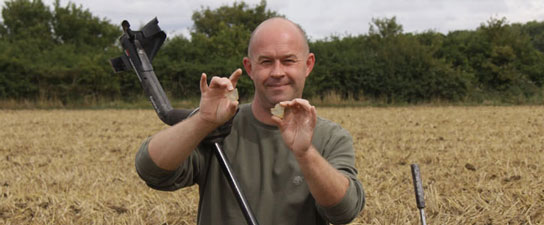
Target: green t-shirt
[{"x": 268, "y": 175}]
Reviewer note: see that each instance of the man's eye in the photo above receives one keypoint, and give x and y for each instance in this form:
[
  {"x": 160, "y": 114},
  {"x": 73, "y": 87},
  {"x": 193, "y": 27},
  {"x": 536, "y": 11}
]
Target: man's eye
[
  {"x": 266, "y": 62},
  {"x": 289, "y": 61}
]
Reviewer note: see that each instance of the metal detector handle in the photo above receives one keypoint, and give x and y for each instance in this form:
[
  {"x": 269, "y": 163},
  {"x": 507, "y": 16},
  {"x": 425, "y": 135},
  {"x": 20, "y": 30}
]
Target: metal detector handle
[
  {"x": 155, "y": 92},
  {"x": 139, "y": 48},
  {"x": 418, "y": 187}
]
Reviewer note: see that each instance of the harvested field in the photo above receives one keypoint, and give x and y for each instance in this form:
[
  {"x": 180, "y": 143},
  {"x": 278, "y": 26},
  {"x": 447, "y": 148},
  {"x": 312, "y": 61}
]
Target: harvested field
[{"x": 480, "y": 165}]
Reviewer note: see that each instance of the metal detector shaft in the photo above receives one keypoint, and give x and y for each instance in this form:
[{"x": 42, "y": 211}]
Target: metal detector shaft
[
  {"x": 234, "y": 185},
  {"x": 422, "y": 216},
  {"x": 418, "y": 187}
]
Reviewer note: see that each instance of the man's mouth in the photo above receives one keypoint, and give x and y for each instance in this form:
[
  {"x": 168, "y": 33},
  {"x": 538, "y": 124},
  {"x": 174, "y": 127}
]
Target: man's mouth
[{"x": 276, "y": 84}]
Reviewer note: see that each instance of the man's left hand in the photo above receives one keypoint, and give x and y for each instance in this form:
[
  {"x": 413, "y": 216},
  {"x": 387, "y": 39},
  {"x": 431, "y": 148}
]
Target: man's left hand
[{"x": 297, "y": 125}]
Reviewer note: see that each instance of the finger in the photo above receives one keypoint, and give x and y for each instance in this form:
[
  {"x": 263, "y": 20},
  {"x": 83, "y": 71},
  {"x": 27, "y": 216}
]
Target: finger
[
  {"x": 304, "y": 104},
  {"x": 314, "y": 112},
  {"x": 293, "y": 104},
  {"x": 235, "y": 76},
  {"x": 233, "y": 106},
  {"x": 286, "y": 103},
  {"x": 203, "y": 83},
  {"x": 221, "y": 82},
  {"x": 313, "y": 116},
  {"x": 276, "y": 120}
]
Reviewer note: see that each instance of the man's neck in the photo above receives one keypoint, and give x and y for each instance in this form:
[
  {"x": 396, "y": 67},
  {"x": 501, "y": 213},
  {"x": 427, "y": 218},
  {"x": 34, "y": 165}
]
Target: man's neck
[{"x": 261, "y": 112}]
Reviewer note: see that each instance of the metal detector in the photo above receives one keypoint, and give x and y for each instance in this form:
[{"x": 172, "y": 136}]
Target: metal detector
[
  {"x": 418, "y": 187},
  {"x": 139, "y": 49}
]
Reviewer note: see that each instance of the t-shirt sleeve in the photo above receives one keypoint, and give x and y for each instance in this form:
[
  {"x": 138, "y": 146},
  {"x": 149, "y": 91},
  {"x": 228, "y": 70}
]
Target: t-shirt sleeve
[
  {"x": 338, "y": 151},
  {"x": 155, "y": 177}
]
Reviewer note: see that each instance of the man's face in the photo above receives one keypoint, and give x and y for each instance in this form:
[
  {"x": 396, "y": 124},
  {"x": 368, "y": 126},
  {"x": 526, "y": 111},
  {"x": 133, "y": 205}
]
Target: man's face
[{"x": 278, "y": 65}]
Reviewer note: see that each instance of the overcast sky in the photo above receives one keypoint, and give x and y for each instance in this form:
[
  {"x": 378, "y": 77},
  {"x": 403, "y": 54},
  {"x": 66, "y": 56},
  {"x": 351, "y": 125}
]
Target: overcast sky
[{"x": 322, "y": 18}]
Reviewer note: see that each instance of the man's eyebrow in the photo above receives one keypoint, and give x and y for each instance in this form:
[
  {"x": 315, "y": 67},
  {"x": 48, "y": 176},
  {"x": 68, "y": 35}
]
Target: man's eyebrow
[
  {"x": 263, "y": 57},
  {"x": 288, "y": 56}
]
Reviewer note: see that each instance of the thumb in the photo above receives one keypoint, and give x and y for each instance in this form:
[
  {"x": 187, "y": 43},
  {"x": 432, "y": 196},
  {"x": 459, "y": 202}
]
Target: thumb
[
  {"x": 277, "y": 121},
  {"x": 203, "y": 83}
]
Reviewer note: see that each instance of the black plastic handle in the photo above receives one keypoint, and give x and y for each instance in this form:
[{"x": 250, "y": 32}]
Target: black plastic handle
[{"x": 418, "y": 187}]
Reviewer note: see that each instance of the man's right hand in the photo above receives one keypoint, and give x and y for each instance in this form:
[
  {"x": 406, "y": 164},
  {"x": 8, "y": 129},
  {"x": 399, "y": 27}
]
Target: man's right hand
[
  {"x": 170, "y": 147},
  {"x": 215, "y": 107}
]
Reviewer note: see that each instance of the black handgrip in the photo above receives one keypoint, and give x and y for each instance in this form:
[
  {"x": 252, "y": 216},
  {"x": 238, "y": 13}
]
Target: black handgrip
[
  {"x": 175, "y": 116},
  {"x": 220, "y": 133},
  {"x": 416, "y": 177}
]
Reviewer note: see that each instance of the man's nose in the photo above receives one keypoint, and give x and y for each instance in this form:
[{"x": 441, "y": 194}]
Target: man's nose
[{"x": 277, "y": 69}]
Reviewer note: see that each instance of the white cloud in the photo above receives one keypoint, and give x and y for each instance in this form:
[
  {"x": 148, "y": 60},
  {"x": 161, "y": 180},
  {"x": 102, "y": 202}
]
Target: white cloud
[{"x": 324, "y": 18}]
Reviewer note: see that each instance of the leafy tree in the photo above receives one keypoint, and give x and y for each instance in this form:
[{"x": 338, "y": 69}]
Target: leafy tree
[
  {"x": 212, "y": 22},
  {"x": 25, "y": 33},
  {"x": 218, "y": 43},
  {"x": 386, "y": 64},
  {"x": 340, "y": 67},
  {"x": 59, "y": 53},
  {"x": 500, "y": 57},
  {"x": 74, "y": 25},
  {"x": 385, "y": 27},
  {"x": 535, "y": 30},
  {"x": 3, "y": 31},
  {"x": 26, "y": 19}
]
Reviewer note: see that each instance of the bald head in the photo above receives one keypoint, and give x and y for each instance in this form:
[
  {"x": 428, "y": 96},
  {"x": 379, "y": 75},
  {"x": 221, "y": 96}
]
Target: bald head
[{"x": 277, "y": 26}]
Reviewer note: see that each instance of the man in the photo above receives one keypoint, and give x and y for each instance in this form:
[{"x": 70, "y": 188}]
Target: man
[{"x": 298, "y": 169}]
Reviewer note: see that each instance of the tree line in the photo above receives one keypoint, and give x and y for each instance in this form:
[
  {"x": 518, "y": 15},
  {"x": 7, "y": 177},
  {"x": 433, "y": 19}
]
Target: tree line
[{"x": 62, "y": 52}]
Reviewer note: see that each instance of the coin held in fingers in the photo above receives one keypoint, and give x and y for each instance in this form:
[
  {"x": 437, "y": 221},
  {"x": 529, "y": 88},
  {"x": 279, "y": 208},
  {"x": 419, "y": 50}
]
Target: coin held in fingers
[
  {"x": 233, "y": 95},
  {"x": 278, "y": 111}
]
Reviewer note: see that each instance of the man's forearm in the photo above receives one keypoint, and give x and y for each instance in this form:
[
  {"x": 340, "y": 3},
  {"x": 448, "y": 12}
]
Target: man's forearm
[
  {"x": 171, "y": 146},
  {"x": 327, "y": 185}
]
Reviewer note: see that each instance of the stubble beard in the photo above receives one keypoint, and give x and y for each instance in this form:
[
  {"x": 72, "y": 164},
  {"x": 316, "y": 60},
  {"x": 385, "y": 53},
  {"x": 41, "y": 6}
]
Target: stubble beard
[{"x": 287, "y": 95}]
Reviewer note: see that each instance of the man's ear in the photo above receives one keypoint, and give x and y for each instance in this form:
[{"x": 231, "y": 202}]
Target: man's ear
[
  {"x": 247, "y": 66},
  {"x": 310, "y": 62}
]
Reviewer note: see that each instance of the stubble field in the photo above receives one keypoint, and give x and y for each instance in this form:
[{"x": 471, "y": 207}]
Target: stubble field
[{"x": 480, "y": 165}]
